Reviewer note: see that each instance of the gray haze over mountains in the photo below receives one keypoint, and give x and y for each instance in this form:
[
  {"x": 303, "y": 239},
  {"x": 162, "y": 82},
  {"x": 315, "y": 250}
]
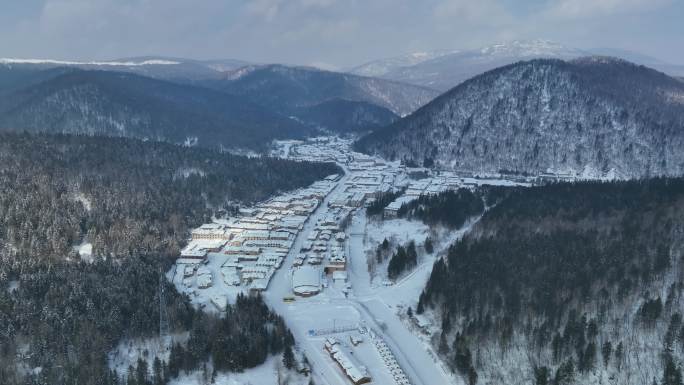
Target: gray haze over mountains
[
  {"x": 240, "y": 105},
  {"x": 443, "y": 70}
]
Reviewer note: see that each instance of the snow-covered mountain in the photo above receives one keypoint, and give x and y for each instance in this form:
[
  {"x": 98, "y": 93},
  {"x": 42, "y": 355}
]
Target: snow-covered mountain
[
  {"x": 168, "y": 68},
  {"x": 70, "y": 100},
  {"x": 593, "y": 116},
  {"x": 443, "y": 70},
  {"x": 243, "y": 108},
  {"x": 382, "y": 67},
  {"x": 284, "y": 88}
]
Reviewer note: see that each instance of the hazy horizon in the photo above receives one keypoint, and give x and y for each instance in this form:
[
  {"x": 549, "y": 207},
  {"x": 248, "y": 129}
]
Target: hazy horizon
[{"x": 332, "y": 34}]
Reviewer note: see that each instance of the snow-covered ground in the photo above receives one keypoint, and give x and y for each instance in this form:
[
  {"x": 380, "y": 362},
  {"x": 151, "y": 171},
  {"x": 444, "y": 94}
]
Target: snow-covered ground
[
  {"x": 268, "y": 373},
  {"x": 206, "y": 298},
  {"x": 329, "y": 310},
  {"x": 398, "y": 232},
  {"x": 364, "y": 303}
]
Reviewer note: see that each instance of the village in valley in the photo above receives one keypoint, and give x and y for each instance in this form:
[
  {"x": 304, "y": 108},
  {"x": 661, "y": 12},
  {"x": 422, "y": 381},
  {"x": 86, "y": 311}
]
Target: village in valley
[{"x": 307, "y": 253}]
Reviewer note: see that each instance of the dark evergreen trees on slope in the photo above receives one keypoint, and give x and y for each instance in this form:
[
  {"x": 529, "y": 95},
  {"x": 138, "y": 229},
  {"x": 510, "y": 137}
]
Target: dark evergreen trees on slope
[
  {"x": 672, "y": 373},
  {"x": 404, "y": 259},
  {"x": 118, "y": 104},
  {"x": 345, "y": 116},
  {"x": 450, "y": 208},
  {"x": 607, "y": 113},
  {"x": 66, "y": 317},
  {"x": 378, "y": 205},
  {"x": 127, "y": 197},
  {"x": 243, "y": 338},
  {"x": 134, "y": 201},
  {"x": 543, "y": 256}
]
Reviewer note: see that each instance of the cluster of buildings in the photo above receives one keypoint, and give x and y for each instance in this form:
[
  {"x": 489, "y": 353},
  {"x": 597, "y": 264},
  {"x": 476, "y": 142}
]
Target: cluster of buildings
[
  {"x": 426, "y": 186},
  {"x": 253, "y": 245},
  {"x": 356, "y": 373},
  {"x": 323, "y": 149},
  {"x": 438, "y": 182},
  {"x": 390, "y": 361},
  {"x": 322, "y": 252},
  {"x": 370, "y": 177}
]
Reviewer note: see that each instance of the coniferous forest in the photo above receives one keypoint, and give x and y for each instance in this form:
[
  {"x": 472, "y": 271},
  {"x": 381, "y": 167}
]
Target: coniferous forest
[
  {"x": 450, "y": 208},
  {"x": 135, "y": 202},
  {"x": 578, "y": 276}
]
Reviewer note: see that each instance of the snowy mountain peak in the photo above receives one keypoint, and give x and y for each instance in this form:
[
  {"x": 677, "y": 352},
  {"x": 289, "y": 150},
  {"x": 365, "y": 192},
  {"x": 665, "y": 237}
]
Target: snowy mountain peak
[
  {"x": 444, "y": 69},
  {"x": 609, "y": 114},
  {"x": 88, "y": 63},
  {"x": 530, "y": 48},
  {"x": 382, "y": 67}
]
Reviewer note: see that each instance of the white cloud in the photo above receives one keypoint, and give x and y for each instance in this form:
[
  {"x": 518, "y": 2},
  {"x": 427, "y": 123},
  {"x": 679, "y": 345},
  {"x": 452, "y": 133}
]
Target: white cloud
[
  {"x": 342, "y": 32},
  {"x": 468, "y": 11},
  {"x": 592, "y": 8}
]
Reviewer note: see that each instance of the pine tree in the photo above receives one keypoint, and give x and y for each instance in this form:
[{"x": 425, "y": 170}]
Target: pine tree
[
  {"x": 429, "y": 247},
  {"x": 158, "y": 372},
  {"x": 565, "y": 374},
  {"x": 421, "y": 304},
  {"x": 443, "y": 347},
  {"x": 131, "y": 377},
  {"x": 619, "y": 352},
  {"x": 606, "y": 351},
  {"x": 463, "y": 358},
  {"x": 472, "y": 375},
  {"x": 288, "y": 358},
  {"x": 175, "y": 360},
  {"x": 141, "y": 372},
  {"x": 672, "y": 373},
  {"x": 587, "y": 359},
  {"x": 541, "y": 375}
]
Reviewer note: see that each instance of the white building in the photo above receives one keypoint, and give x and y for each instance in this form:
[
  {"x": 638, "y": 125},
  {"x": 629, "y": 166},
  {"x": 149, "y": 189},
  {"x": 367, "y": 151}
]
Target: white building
[{"x": 306, "y": 281}]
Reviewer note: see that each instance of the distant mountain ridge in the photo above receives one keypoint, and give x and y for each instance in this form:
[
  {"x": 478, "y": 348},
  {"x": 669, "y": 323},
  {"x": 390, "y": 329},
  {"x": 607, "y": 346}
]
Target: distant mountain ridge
[
  {"x": 444, "y": 70},
  {"x": 285, "y": 88},
  {"x": 344, "y": 116},
  {"x": 379, "y": 68},
  {"x": 159, "y": 67},
  {"x": 122, "y": 104},
  {"x": 245, "y": 108},
  {"x": 592, "y": 117}
]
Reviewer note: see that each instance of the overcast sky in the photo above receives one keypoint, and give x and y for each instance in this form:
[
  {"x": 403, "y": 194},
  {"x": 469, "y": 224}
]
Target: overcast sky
[{"x": 332, "y": 33}]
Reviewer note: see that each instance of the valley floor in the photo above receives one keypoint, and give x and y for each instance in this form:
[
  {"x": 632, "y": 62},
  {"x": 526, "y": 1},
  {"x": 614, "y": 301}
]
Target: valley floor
[{"x": 365, "y": 307}]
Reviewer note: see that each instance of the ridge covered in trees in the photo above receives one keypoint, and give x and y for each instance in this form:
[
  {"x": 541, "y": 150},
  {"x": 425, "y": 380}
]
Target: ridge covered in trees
[
  {"x": 572, "y": 272},
  {"x": 405, "y": 258},
  {"x": 451, "y": 208},
  {"x": 135, "y": 202},
  {"x": 125, "y": 196}
]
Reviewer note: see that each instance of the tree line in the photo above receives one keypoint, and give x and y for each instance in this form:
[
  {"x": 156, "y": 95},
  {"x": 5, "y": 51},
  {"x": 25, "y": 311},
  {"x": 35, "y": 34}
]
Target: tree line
[
  {"x": 451, "y": 208},
  {"x": 543, "y": 259},
  {"x": 135, "y": 201}
]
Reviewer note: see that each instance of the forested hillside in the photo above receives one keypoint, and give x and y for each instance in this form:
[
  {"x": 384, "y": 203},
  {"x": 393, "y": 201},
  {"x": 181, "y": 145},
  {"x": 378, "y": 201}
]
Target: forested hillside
[
  {"x": 344, "y": 116},
  {"x": 125, "y": 196},
  {"x": 119, "y": 104},
  {"x": 282, "y": 88},
  {"x": 134, "y": 201},
  {"x": 566, "y": 284},
  {"x": 450, "y": 208},
  {"x": 591, "y": 117}
]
